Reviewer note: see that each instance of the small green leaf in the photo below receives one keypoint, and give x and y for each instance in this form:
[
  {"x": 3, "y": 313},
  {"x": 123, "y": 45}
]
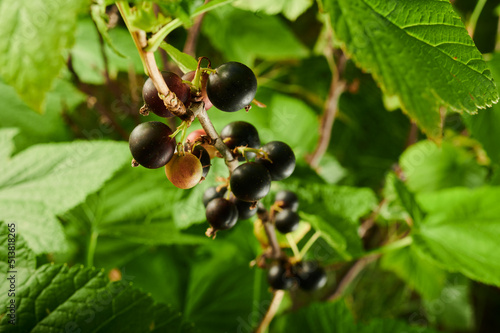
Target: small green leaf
[
  {"x": 99, "y": 16},
  {"x": 83, "y": 298},
  {"x": 429, "y": 167},
  {"x": 184, "y": 61},
  {"x": 460, "y": 232},
  {"x": 34, "y": 35},
  {"x": 210, "y": 6},
  {"x": 408, "y": 201},
  {"x": 419, "y": 51},
  {"x": 291, "y": 9}
]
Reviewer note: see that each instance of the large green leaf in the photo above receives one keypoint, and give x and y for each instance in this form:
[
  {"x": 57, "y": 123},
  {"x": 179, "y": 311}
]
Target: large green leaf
[
  {"x": 429, "y": 167},
  {"x": 22, "y": 261},
  {"x": 45, "y": 180},
  {"x": 485, "y": 126},
  {"x": 419, "y": 51},
  {"x": 242, "y": 36},
  {"x": 34, "y": 35},
  {"x": 335, "y": 317},
  {"x": 58, "y": 298},
  {"x": 416, "y": 270},
  {"x": 461, "y": 232}
]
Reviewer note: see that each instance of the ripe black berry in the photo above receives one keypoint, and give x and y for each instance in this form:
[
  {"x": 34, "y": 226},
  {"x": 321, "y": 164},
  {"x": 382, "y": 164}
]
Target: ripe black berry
[
  {"x": 151, "y": 145},
  {"x": 212, "y": 193},
  {"x": 232, "y": 87},
  {"x": 287, "y": 200},
  {"x": 155, "y": 103},
  {"x": 310, "y": 275},
  {"x": 282, "y": 157},
  {"x": 250, "y": 182},
  {"x": 221, "y": 214},
  {"x": 240, "y": 133},
  {"x": 277, "y": 276},
  {"x": 286, "y": 221},
  {"x": 184, "y": 170},
  {"x": 202, "y": 154},
  {"x": 245, "y": 210}
]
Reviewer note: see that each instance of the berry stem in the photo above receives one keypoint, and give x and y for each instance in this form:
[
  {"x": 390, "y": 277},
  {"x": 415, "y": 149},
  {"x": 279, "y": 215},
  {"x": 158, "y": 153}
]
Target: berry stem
[
  {"x": 293, "y": 246},
  {"x": 271, "y": 311},
  {"x": 309, "y": 243},
  {"x": 265, "y": 217}
]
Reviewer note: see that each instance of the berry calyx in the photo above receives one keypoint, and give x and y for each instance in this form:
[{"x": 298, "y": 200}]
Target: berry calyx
[
  {"x": 278, "y": 276},
  {"x": 287, "y": 200},
  {"x": 240, "y": 133},
  {"x": 213, "y": 192},
  {"x": 231, "y": 87},
  {"x": 286, "y": 221},
  {"x": 250, "y": 181},
  {"x": 282, "y": 159},
  {"x": 151, "y": 145},
  {"x": 184, "y": 170},
  {"x": 155, "y": 103},
  {"x": 310, "y": 275},
  {"x": 222, "y": 214}
]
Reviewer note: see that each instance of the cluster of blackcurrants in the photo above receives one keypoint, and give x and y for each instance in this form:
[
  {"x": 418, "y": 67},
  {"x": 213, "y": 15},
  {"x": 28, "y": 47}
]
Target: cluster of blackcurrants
[
  {"x": 251, "y": 180},
  {"x": 230, "y": 87}
]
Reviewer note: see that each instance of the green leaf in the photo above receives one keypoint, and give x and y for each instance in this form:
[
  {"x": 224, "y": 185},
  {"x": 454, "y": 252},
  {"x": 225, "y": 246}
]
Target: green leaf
[
  {"x": 335, "y": 317},
  {"x": 7, "y": 147},
  {"x": 416, "y": 270},
  {"x": 429, "y": 167},
  {"x": 485, "y": 126},
  {"x": 24, "y": 263},
  {"x": 242, "y": 36},
  {"x": 34, "y": 35},
  {"x": 460, "y": 232},
  {"x": 184, "y": 61},
  {"x": 83, "y": 298},
  {"x": 209, "y": 6},
  {"x": 395, "y": 41},
  {"x": 291, "y": 9},
  {"x": 407, "y": 199},
  {"x": 46, "y": 180}
]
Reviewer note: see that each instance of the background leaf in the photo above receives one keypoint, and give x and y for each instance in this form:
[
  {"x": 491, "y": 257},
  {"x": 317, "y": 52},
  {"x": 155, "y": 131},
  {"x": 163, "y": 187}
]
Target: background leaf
[
  {"x": 35, "y": 34},
  {"x": 394, "y": 41}
]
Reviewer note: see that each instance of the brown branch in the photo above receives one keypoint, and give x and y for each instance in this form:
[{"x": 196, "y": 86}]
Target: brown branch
[
  {"x": 266, "y": 219},
  {"x": 350, "y": 276},
  {"x": 193, "y": 33},
  {"x": 271, "y": 311},
  {"x": 337, "y": 86}
]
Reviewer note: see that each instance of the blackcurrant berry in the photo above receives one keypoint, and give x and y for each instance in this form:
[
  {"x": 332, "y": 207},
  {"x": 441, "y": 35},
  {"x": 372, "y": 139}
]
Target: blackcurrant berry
[
  {"x": 286, "y": 221},
  {"x": 282, "y": 160},
  {"x": 240, "y": 133},
  {"x": 204, "y": 158},
  {"x": 310, "y": 275},
  {"x": 278, "y": 277},
  {"x": 232, "y": 87},
  {"x": 245, "y": 210},
  {"x": 189, "y": 76},
  {"x": 250, "y": 181},
  {"x": 221, "y": 214},
  {"x": 155, "y": 103},
  {"x": 287, "y": 200},
  {"x": 212, "y": 193},
  {"x": 184, "y": 170},
  {"x": 151, "y": 145},
  {"x": 197, "y": 136}
]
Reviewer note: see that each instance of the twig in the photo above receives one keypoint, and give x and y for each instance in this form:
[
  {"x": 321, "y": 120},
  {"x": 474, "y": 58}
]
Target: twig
[
  {"x": 350, "y": 276},
  {"x": 193, "y": 33},
  {"x": 271, "y": 312},
  {"x": 264, "y": 216}
]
